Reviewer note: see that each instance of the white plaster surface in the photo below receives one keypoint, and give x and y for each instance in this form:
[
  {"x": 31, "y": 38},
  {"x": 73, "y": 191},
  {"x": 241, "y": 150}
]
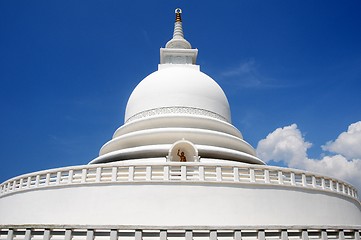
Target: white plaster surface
[
  {"x": 179, "y": 204},
  {"x": 180, "y": 86}
]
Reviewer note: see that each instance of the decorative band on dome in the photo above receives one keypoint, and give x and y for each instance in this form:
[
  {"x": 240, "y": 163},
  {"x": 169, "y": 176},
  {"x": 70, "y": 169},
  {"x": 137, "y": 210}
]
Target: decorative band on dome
[{"x": 175, "y": 110}]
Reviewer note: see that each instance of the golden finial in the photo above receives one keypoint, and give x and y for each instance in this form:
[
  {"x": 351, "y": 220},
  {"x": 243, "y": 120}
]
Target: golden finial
[{"x": 178, "y": 12}]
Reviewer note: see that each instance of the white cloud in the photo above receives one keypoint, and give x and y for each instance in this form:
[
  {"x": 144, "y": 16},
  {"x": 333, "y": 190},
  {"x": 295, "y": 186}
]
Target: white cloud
[
  {"x": 245, "y": 73},
  {"x": 249, "y": 74},
  {"x": 284, "y": 145},
  {"x": 347, "y": 143},
  {"x": 337, "y": 166},
  {"x": 289, "y": 146},
  {"x": 243, "y": 68}
]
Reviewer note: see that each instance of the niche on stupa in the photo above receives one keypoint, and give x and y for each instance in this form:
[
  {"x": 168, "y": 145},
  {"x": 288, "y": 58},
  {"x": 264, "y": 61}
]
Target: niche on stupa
[{"x": 183, "y": 151}]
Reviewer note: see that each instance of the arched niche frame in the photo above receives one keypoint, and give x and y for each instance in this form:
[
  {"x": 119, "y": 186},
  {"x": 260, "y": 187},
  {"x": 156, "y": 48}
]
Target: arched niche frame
[{"x": 183, "y": 151}]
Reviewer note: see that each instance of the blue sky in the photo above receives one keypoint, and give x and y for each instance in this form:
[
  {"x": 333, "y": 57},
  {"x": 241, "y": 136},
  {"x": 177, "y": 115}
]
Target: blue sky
[{"x": 67, "y": 69}]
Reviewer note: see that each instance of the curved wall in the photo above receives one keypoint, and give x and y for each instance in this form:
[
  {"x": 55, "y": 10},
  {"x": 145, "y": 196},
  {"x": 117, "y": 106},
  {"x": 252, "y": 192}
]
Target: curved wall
[
  {"x": 179, "y": 204},
  {"x": 178, "y": 194}
]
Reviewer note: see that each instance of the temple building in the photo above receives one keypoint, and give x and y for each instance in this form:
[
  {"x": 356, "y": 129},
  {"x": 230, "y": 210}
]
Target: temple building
[{"x": 178, "y": 169}]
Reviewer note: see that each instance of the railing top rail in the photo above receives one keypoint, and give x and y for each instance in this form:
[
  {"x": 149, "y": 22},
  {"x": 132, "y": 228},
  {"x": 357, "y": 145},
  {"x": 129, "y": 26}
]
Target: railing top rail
[
  {"x": 144, "y": 164},
  {"x": 193, "y": 227},
  {"x": 280, "y": 176}
]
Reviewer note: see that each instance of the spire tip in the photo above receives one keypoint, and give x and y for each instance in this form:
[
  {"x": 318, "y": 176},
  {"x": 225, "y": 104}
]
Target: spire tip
[{"x": 178, "y": 12}]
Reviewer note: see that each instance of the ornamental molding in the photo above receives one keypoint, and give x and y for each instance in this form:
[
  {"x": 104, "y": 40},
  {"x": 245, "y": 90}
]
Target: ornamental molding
[{"x": 175, "y": 110}]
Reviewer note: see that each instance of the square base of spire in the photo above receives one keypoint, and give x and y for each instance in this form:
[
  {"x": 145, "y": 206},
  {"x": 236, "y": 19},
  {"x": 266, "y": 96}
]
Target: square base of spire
[{"x": 178, "y": 56}]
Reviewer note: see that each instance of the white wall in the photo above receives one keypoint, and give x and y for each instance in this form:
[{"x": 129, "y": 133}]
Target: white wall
[{"x": 179, "y": 204}]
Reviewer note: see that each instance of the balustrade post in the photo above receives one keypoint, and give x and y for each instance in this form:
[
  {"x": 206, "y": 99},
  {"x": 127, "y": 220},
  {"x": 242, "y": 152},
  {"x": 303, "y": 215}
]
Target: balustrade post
[
  {"x": 46, "y": 235},
  {"x": 357, "y": 235},
  {"x": 201, "y": 173},
  {"x": 83, "y": 175},
  {"x": 261, "y": 235},
  {"x": 28, "y": 183},
  {"x": 236, "y": 174},
  {"x": 148, "y": 173},
  {"x": 138, "y": 235},
  {"x": 37, "y": 180},
  {"x": 67, "y": 234},
  {"x": 219, "y": 174},
  {"x": 280, "y": 177},
  {"x": 183, "y": 173},
  {"x": 27, "y": 234},
  {"x": 304, "y": 180},
  {"x": 189, "y": 235},
  {"x": 266, "y": 176},
  {"x": 58, "y": 178},
  {"x": 113, "y": 234},
  {"x": 114, "y": 174},
  {"x": 237, "y": 234},
  {"x": 10, "y": 235},
  {"x": 212, "y": 235},
  {"x": 284, "y": 234},
  {"x": 90, "y": 234},
  {"x": 341, "y": 235},
  {"x": 251, "y": 175},
  {"x": 21, "y": 183},
  {"x": 98, "y": 174},
  {"x": 131, "y": 173},
  {"x": 323, "y": 235},
  {"x": 47, "y": 179},
  {"x": 70, "y": 176},
  {"x": 166, "y": 173},
  {"x": 304, "y": 235},
  {"x": 163, "y": 235},
  {"x": 331, "y": 185},
  {"x": 313, "y": 181},
  {"x": 293, "y": 179}
]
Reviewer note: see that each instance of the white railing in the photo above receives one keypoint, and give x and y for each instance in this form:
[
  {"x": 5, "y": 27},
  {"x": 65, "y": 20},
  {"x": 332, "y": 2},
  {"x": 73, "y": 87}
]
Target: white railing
[
  {"x": 174, "y": 171},
  {"x": 119, "y": 232}
]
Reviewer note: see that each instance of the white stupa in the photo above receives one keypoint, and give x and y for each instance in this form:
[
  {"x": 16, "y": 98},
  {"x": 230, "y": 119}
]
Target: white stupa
[{"x": 178, "y": 169}]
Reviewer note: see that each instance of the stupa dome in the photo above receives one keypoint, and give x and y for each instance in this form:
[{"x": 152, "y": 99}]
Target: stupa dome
[
  {"x": 175, "y": 88},
  {"x": 177, "y": 107}
]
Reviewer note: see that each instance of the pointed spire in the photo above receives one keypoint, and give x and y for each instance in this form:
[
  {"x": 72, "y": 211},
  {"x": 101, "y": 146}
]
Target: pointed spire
[
  {"x": 178, "y": 50},
  {"x": 178, "y": 40}
]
